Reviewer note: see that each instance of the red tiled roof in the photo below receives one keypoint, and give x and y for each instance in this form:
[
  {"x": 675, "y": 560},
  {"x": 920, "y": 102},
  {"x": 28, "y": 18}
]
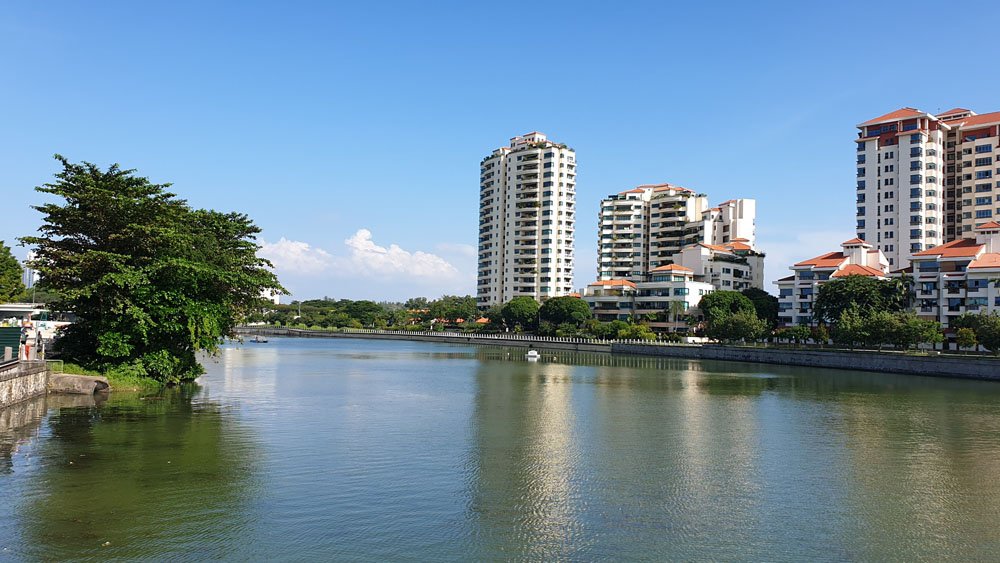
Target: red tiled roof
[
  {"x": 853, "y": 241},
  {"x": 858, "y": 270},
  {"x": 741, "y": 239},
  {"x": 992, "y": 225},
  {"x": 991, "y": 260},
  {"x": 613, "y": 283},
  {"x": 901, "y": 113},
  {"x": 828, "y": 260},
  {"x": 953, "y": 111},
  {"x": 954, "y": 249},
  {"x": 574, "y": 294},
  {"x": 739, "y": 246},
  {"x": 671, "y": 268},
  {"x": 981, "y": 119}
]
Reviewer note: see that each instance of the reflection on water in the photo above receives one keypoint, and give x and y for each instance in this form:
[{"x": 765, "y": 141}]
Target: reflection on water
[
  {"x": 128, "y": 477},
  {"x": 375, "y": 450}
]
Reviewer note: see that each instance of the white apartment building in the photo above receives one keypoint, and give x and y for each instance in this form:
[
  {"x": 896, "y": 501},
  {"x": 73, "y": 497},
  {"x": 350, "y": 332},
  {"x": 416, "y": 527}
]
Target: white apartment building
[
  {"x": 797, "y": 293},
  {"x": 957, "y": 276},
  {"x": 924, "y": 179},
  {"x": 527, "y": 208},
  {"x": 733, "y": 266},
  {"x": 666, "y": 295},
  {"x": 645, "y": 227}
]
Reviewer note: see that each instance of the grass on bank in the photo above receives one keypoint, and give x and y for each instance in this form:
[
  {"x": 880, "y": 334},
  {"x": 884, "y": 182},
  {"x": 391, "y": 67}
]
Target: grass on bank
[{"x": 119, "y": 380}]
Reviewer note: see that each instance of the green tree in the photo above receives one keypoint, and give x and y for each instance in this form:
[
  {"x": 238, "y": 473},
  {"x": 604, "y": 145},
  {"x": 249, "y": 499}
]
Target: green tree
[
  {"x": 966, "y": 338},
  {"x": 520, "y": 312},
  {"x": 797, "y": 334},
  {"x": 454, "y": 307},
  {"x": 152, "y": 281},
  {"x": 879, "y": 328},
  {"x": 868, "y": 294},
  {"x": 850, "y": 328},
  {"x": 636, "y": 332},
  {"x": 765, "y": 304},
  {"x": 720, "y": 304},
  {"x": 609, "y": 330},
  {"x": 988, "y": 332},
  {"x": 562, "y": 310},
  {"x": 820, "y": 335},
  {"x": 10, "y": 275},
  {"x": 911, "y": 331},
  {"x": 741, "y": 325}
]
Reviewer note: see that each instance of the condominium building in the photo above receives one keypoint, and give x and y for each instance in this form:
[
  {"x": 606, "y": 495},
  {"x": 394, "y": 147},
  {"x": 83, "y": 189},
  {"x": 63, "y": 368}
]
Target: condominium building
[
  {"x": 645, "y": 227},
  {"x": 666, "y": 294},
  {"x": 733, "y": 266},
  {"x": 925, "y": 179},
  {"x": 527, "y": 197},
  {"x": 957, "y": 276},
  {"x": 797, "y": 293}
]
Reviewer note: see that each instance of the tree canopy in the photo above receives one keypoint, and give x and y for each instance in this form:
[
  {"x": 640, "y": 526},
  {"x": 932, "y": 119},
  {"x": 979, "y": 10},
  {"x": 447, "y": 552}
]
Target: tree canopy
[
  {"x": 765, "y": 304},
  {"x": 564, "y": 310},
  {"x": 10, "y": 275},
  {"x": 520, "y": 312},
  {"x": 152, "y": 281},
  {"x": 723, "y": 303},
  {"x": 868, "y": 294}
]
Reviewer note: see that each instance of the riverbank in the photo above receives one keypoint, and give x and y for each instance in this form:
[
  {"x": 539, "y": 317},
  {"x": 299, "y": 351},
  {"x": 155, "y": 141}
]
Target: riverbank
[
  {"x": 961, "y": 367},
  {"x": 119, "y": 381}
]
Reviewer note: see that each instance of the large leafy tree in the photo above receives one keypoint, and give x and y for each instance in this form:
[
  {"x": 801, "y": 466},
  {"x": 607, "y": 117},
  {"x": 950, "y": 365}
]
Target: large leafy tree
[
  {"x": 520, "y": 312},
  {"x": 719, "y": 304},
  {"x": 10, "y": 275},
  {"x": 734, "y": 327},
  {"x": 765, "y": 304},
  {"x": 565, "y": 310},
  {"x": 868, "y": 294},
  {"x": 454, "y": 307},
  {"x": 152, "y": 281}
]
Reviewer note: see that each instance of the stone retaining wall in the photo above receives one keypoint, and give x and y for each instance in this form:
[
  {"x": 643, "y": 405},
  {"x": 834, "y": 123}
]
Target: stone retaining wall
[
  {"x": 972, "y": 367},
  {"x": 20, "y": 381},
  {"x": 884, "y": 362}
]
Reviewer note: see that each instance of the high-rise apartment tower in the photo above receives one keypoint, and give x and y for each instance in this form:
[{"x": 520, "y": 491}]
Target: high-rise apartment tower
[
  {"x": 527, "y": 218},
  {"x": 644, "y": 228},
  {"x": 924, "y": 179}
]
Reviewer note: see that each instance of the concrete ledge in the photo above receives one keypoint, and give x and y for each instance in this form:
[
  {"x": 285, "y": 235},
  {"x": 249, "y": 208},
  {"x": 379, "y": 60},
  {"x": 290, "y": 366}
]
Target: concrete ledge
[
  {"x": 882, "y": 362},
  {"x": 77, "y": 384}
]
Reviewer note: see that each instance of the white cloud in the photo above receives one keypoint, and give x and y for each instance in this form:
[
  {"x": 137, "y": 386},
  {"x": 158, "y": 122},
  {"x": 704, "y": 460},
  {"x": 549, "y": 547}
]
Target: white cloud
[
  {"x": 464, "y": 250},
  {"x": 296, "y": 257},
  {"x": 367, "y": 258}
]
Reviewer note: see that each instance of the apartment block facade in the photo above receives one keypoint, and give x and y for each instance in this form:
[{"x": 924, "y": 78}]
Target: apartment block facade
[
  {"x": 958, "y": 276},
  {"x": 924, "y": 179},
  {"x": 797, "y": 293},
  {"x": 644, "y": 228},
  {"x": 665, "y": 294},
  {"x": 527, "y": 218}
]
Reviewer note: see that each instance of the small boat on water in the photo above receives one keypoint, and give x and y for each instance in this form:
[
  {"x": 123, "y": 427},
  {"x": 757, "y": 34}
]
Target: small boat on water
[
  {"x": 532, "y": 356},
  {"x": 258, "y": 339}
]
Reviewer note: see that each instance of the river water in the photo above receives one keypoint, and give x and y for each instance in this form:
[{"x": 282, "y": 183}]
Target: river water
[{"x": 308, "y": 450}]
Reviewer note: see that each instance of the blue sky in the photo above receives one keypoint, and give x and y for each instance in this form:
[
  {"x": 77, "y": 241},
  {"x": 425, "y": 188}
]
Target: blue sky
[{"x": 352, "y": 133}]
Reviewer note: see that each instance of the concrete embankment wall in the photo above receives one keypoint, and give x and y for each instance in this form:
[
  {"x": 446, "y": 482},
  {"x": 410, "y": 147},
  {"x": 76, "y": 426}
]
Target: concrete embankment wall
[
  {"x": 20, "y": 381},
  {"x": 884, "y": 362},
  {"x": 526, "y": 342}
]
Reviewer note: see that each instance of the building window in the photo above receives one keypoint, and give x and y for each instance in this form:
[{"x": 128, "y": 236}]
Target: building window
[
  {"x": 984, "y": 213},
  {"x": 984, "y": 148},
  {"x": 983, "y": 174}
]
